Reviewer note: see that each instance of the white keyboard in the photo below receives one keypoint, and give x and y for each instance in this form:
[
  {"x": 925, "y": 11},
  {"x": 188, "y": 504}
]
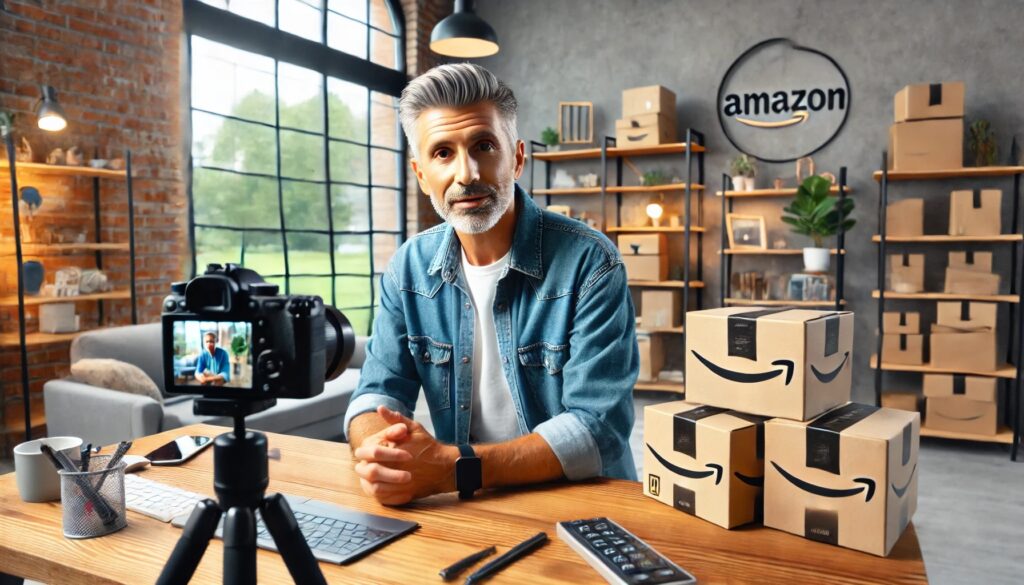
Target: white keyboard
[{"x": 158, "y": 500}]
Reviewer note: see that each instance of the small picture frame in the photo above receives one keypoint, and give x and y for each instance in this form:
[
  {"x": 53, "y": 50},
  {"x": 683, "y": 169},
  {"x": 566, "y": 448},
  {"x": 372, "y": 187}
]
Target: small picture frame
[{"x": 746, "y": 232}]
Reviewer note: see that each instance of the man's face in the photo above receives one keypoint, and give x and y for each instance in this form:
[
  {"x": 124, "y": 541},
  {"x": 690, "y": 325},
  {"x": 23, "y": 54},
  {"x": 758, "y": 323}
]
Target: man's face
[
  {"x": 467, "y": 165},
  {"x": 211, "y": 343}
]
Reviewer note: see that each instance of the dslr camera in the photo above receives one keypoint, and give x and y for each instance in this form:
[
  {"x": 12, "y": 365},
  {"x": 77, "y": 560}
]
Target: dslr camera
[{"x": 228, "y": 334}]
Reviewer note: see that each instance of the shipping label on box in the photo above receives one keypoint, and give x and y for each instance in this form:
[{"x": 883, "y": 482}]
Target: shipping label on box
[
  {"x": 705, "y": 461},
  {"x": 966, "y": 316},
  {"x": 847, "y": 478},
  {"x": 973, "y": 351},
  {"x": 652, "y": 356},
  {"x": 901, "y": 322},
  {"x": 653, "y": 135},
  {"x": 970, "y": 260},
  {"x": 970, "y": 282},
  {"x": 904, "y": 218},
  {"x": 642, "y": 244},
  {"x": 661, "y": 309},
  {"x": 902, "y": 348},
  {"x": 960, "y": 414},
  {"x": 977, "y": 388},
  {"x": 651, "y": 99},
  {"x": 770, "y": 362},
  {"x": 927, "y": 145},
  {"x": 901, "y": 401},
  {"x": 975, "y": 213},
  {"x": 654, "y": 267},
  {"x": 924, "y": 101},
  {"x": 906, "y": 273}
]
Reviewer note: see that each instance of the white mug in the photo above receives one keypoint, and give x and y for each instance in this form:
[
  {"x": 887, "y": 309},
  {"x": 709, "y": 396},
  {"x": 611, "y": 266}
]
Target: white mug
[{"x": 34, "y": 472}]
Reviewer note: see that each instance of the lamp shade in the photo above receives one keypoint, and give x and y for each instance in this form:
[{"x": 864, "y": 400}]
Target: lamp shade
[
  {"x": 463, "y": 34},
  {"x": 49, "y": 113}
]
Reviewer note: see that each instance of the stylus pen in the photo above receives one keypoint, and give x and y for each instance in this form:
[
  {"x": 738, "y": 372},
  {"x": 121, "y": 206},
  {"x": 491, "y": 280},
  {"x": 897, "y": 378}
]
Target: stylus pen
[
  {"x": 451, "y": 572},
  {"x": 513, "y": 555}
]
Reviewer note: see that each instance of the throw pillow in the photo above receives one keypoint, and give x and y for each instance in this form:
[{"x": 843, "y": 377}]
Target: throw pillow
[{"x": 115, "y": 375}]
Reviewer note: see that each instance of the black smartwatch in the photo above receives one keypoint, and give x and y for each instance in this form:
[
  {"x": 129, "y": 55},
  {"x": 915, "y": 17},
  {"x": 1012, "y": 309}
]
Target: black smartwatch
[{"x": 468, "y": 472}]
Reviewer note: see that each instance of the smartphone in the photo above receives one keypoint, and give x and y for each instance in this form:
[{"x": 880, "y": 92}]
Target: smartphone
[{"x": 179, "y": 450}]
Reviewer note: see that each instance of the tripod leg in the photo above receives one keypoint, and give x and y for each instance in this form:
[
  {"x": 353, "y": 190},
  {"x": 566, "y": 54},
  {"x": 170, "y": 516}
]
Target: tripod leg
[
  {"x": 193, "y": 542},
  {"x": 280, "y": 521},
  {"x": 240, "y": 546}
]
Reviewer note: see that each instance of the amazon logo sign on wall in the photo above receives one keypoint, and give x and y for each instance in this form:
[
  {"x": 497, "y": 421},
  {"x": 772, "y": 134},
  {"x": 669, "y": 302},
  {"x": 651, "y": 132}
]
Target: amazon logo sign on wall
[{"x": 780, "y": 101}]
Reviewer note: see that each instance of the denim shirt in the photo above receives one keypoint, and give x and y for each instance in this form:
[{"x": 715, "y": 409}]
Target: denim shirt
[{"x": 565, "y": 322}]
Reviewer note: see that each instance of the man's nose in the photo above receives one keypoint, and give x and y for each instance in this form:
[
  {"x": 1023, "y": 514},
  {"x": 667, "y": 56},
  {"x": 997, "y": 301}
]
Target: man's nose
[{"x": 467, "y": 170}]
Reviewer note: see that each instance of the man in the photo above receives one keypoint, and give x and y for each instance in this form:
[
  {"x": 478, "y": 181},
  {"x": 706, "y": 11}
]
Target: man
[
  {"x": 213, "y": 368},
  {"x": 517, "y": 323}
]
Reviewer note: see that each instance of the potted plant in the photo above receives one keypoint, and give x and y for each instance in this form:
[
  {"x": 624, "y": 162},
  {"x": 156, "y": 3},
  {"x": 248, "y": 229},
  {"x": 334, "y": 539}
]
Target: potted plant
[
  {"x": 239, "y": 348},
  {"x": 652, "y": 178},
  {"x": 550, "y": 137},
  {"x": 983, "y": 144},
  {"x": 814, "y": 212},
  {"x": 743, "y": 170}
]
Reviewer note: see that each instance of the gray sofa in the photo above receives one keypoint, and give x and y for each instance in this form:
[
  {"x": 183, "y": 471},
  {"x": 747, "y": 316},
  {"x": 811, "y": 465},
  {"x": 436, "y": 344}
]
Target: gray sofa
[{"x": 103, "y": 416}]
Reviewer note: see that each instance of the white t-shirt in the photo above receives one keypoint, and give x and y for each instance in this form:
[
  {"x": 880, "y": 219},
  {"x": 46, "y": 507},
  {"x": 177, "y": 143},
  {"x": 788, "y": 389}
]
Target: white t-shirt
[{"x": 493, "y": 417}]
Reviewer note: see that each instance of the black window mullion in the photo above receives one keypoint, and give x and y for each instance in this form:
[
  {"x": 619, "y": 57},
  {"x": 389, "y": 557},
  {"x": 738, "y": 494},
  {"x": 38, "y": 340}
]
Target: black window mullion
[
  {"x": 280, "y": 182},
  {"x": 327, "y": 170}
]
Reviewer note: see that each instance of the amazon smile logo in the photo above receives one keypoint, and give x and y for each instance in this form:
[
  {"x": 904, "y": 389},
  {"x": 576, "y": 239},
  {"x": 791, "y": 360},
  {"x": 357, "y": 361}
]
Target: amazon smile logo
[
  {"x": 811, "y": 488},
  {"x": 713, "y": 468},
  {"x": 797, "y": 118},
  {"x": 757, "y": 377}
]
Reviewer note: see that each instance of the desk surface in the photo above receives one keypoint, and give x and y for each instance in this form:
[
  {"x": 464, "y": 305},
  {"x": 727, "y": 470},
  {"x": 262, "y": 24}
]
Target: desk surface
[{"x": 32, "y": 545}]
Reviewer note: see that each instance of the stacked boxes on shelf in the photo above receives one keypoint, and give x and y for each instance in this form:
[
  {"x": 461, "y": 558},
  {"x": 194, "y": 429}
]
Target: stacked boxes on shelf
[
  {"x": 645, "y": 256},
  {"x": 961, "y": 404},
  {"x": 648, "y": 117},
  {"x": 929, "y": 129},
  {"x": 970, "y": 273},
  {"x": 825, "y": 464},
  {"x": 964, "y": 337}
]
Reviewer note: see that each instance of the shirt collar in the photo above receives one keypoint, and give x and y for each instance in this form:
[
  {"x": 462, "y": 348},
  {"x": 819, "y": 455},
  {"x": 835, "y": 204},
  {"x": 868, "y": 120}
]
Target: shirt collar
[{"x": 526, "y": 243}]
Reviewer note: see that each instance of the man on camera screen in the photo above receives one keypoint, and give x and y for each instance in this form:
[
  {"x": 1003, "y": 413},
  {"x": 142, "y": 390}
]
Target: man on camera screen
[
  {"x": 213, "y": 368},
  {"x": 516, "y": 322}
]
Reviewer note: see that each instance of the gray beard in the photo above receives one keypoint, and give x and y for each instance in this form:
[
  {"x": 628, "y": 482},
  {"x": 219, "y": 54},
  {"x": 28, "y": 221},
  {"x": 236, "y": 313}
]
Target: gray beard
[{"x": 478, "y": 220}]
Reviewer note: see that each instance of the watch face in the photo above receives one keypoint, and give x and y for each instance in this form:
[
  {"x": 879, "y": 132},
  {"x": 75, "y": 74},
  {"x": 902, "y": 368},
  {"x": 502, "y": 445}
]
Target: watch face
[{"x": 468, "y": 475}]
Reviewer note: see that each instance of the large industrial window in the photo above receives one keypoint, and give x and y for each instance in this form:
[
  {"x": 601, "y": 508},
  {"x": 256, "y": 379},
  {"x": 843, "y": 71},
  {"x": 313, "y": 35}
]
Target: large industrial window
[{"x": 297, "y": 167}]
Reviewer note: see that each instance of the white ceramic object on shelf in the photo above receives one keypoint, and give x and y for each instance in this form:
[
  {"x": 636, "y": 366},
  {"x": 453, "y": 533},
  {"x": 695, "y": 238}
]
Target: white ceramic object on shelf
[
  {"x": 749, "y": 185},
  {"x": 739, "y": 183},
  {"x": 98, "y": 163},
  {"x": 816, "y": 259}
]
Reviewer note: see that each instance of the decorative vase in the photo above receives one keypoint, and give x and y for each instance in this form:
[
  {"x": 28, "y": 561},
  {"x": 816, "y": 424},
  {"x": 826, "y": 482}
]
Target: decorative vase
[
  {"x": 739, "y": 183},
  {"x": 750, "y": 184},
  {"x": 32, "y": 274},
  {"x": 553, "y": 147},
  {"x": 816, "y": 259}
]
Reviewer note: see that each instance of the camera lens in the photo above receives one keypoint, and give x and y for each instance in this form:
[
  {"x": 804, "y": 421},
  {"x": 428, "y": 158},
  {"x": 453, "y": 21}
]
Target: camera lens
[{"x": 339, "y": 341}]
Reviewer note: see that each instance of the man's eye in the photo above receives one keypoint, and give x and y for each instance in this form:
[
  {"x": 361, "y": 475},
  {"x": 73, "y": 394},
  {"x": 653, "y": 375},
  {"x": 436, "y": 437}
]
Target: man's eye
[
  {"x": 442, "y": 153},
  {"x": 487, "y": 146}
]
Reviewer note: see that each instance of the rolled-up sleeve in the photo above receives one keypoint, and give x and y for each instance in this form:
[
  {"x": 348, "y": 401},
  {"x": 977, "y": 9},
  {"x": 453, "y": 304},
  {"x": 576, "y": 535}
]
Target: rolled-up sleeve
[
  {"x": 388, "y": 376},
  {"x": 597, "y": 390}
]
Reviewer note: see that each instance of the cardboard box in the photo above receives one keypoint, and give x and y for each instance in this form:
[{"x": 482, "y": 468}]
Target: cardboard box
[
  {"x": 847, "y": 478},
  {"x": 962, "y": 404},
  {"x": 770, "y": 362},
  {"x": 927, "y": 145},
  {"x": 904, "y": 218},
  {"x": 908, "y": 401},
  {"x": 923, "y": 101},
  {"x": 651, "y": 99},
  {"x": 653, "y": 267},
  {"x": 973, "y": 351},
  {"x": 628, "y": 135},
  {"x": 978, "y": 388},
  {"x": 705, "y": 461},
  {"x": 975, "y": 213},
  {"x": 58, "y": 318},
  {"x": 902, "y": 348},
  {"x": 966, "y": 316},
  {"x": 652, "y": 356},
  {"x": 653, "y": 119},
  {"x": 901, "y": 322},
  {"x": 660, "y": 309},
  {"x": 970, "y": 260},
  {"x": 970, "y": 282},
  {"x": 646, "y": 244},
  {"x": 906, "y": 273}
]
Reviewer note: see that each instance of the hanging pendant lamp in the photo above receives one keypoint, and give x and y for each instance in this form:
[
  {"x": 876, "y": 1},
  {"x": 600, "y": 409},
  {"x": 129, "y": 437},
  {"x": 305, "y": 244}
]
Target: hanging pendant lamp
[{"x": 463, "y": 34}]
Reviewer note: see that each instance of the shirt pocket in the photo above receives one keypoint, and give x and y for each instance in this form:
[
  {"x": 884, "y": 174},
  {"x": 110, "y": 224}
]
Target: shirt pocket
[
  {"x": 542, "y": 364},
  {"x": 433, "y": 361}
]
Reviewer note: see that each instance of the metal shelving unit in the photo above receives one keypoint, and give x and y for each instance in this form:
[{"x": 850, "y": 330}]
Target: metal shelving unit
[
  {"x": 1009, "y": 372},
  {"x": 691, "y": 152}
]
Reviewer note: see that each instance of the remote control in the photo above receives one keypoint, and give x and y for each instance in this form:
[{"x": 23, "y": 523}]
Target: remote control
[{"x": 619, "y": 556}]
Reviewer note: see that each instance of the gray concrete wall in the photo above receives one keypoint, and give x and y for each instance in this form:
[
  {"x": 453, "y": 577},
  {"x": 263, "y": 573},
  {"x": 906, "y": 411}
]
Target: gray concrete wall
[{"x": 593, "y": 49}]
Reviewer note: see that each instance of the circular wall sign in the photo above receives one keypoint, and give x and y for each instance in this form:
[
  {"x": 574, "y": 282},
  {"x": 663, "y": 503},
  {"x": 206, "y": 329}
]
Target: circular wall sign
[{"x": 780, "y": 101}]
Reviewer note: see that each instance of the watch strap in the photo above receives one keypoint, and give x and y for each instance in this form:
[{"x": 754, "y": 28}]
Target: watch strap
[{"x": 468, "y": 472}]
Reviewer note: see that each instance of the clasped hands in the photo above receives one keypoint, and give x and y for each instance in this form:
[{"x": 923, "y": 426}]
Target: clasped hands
[{"x": 404, "y": 462}]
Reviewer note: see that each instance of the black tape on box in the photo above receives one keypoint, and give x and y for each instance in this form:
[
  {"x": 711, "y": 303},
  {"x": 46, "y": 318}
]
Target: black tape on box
[
  {"x": 823, "y": 434},
  {"x": 742, "y": 334},
  {"x": 822, "y": 525},
  {"x": 965, "y": 311},
  {"x": 907, "y": 434},
  {"x": 934, "y": 94},
  {"x": 959, "y": 384},
  {"x": 903, "y": 342},
  {"x": 684, "y": 500},
  {"x": 831, "y": 335},
  {"x": 976, "y": 199},
  {"x": 906, "y": 259},
  {"x": 903, "y": 318},
  {"x": 684, "y": 428},
  {"x": 969, "y": 257},
  {"x": 759, "y": 422}
]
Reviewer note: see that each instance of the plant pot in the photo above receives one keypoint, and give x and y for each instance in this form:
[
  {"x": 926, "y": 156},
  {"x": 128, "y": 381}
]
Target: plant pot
[
  {"x": 552, "y": 147},
  {"x": 739, "y": 183},
  {"x": 816, "y": 259},
  {"x": 751, "y": 184}
]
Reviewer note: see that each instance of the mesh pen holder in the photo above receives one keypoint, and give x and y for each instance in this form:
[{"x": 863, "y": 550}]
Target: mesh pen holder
[{"x": 92, "y": 501}]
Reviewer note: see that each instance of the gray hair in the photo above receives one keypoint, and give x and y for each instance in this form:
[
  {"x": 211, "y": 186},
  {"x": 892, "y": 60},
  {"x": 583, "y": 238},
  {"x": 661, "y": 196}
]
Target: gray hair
[
  {"x": 210, "y": 334},
  {"x": 453, "y": 86}
]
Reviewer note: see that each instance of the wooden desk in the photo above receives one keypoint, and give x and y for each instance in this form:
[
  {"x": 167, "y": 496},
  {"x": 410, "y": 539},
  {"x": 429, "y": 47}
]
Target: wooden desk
[{"x": 32, "y": 544}]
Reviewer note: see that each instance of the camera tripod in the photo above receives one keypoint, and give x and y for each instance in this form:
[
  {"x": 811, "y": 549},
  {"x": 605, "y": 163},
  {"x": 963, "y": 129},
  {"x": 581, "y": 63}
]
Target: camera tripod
[{"x": 240, "y": 479}]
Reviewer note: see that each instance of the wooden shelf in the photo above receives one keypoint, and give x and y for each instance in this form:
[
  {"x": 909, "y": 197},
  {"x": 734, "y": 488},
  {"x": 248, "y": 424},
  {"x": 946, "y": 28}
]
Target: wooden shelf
[
  {"x": 34, "y": 339},
  {"x": 569, "y": 191},
  {"x": 649, "y": 229},
  {"x": 54, "y": 249},
  {"x": 934, "y": 296},
  {"x": 1004, "y": 371},
  {"x": 65, "y": 170},
  {"x": 962, "y": 173},
  {"x": 781, "y": 303},
  {"x": 656, "y": 188},
  {"x": 1005, "y": 435},
  {"x": 665, "y": 283},
  {"x": 661, "y": 386},
  {"x": 944, "y": 239},
  {"x": 12, "y": 300},
  {"x": 790, "y": 192},
  {"x": 770, "y": 252},
  {"x": 666, "y": 330},
  {"x": 615, "y": 152}
]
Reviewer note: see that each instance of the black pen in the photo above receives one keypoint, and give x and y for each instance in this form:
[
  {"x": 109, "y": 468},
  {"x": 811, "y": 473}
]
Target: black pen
[
  {"x": 519, "y": 550},
  {"x": 86, "y": 454},
  {"x": 451, "y": 572}
]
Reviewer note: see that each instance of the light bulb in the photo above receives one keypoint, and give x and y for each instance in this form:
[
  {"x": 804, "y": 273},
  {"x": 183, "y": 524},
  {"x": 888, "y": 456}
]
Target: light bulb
[
  {"x": 52, "y": 123},
  {"x": 655, "y": 211}
]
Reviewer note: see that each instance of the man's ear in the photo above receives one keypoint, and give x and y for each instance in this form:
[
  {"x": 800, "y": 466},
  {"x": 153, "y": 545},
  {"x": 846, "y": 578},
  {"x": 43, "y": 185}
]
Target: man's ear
[
  {"x": 520, "y": 158},
  {"x": 419, "y": 176}
]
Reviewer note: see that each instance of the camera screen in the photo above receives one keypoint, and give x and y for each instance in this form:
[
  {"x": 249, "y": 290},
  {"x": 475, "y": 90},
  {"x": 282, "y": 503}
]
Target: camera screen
[{"x": 213, "y": 354}]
